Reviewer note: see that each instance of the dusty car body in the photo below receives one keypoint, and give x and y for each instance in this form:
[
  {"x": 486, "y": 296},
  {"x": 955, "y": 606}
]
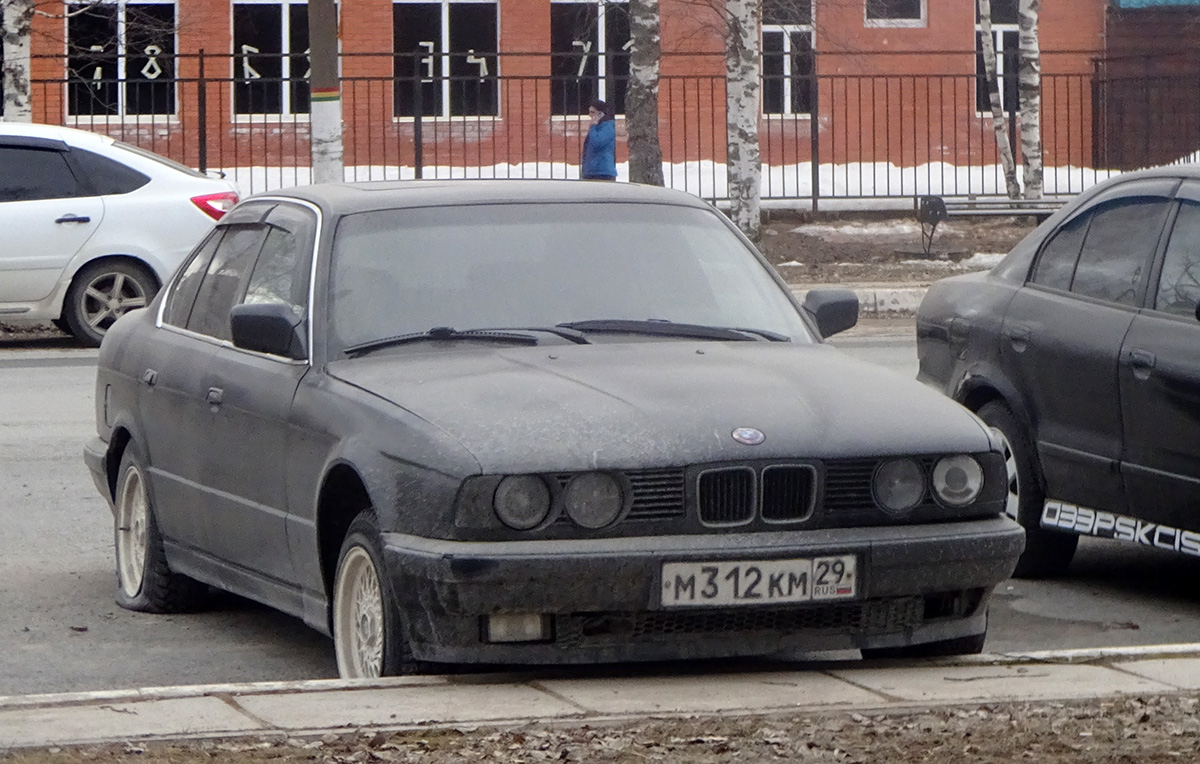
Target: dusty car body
[
  {"x": 534, "y": 422},
  {"x": 1081, "y": 348}
]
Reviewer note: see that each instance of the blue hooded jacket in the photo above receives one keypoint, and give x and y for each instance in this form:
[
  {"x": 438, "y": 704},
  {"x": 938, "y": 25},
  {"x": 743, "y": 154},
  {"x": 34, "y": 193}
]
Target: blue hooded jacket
[{"x": 600, "y": 151}]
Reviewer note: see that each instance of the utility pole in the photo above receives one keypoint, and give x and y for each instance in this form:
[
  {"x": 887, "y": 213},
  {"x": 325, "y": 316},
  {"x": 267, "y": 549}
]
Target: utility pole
[{"x": 326, "y": 118}]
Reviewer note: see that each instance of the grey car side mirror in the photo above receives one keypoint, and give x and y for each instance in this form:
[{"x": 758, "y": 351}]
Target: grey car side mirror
[
  {"x": 271, "y": 328},
  {"x": 834, "y": 310}
]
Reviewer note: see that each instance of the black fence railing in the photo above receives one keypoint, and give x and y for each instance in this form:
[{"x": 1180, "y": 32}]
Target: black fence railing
[{"x": 822, "y": 137}]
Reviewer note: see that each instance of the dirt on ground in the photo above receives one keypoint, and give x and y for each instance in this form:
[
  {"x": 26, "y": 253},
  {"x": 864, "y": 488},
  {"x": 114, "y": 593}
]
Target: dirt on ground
[
  {"x": 885, "y": 247},
  {"x": 1131, "y": 730}
]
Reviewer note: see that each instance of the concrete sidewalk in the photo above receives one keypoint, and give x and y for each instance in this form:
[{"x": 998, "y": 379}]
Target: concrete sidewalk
[{"x": 299, "y": 709}]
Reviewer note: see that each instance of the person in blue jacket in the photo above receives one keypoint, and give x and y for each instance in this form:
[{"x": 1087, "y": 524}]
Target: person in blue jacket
[{"x": 599, "y": 160}]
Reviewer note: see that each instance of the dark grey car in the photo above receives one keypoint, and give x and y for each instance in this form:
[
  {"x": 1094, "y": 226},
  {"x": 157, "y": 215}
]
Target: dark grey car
[
  {"x": 534, "y": 422},
  {"x": 1083, "y": 347}
]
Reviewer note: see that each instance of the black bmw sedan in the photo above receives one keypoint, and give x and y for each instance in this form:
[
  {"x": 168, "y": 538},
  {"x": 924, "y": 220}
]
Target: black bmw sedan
[
  {"x": 534, "y": 422},
  {"x": 1082, "y": 347}
]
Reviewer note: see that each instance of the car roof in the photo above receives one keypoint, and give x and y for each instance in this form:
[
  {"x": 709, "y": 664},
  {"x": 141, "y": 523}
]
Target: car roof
[
  {"x": 68, "y": 135},
  {"x": 349, "y": 198}
]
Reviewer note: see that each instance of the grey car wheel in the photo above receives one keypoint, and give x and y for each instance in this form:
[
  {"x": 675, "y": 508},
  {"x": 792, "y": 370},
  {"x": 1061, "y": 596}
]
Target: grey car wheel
[
  {"x": 1047, "y": 553},
  {"x": 101, "y": 293}
]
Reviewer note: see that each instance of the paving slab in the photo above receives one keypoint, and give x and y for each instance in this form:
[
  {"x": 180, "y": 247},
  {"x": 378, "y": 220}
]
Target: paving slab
[
  {"x": 406, "y": 706},
  {"x": 710, "y": 693},
  {"x": 1183, "y": 673},
  {"x": 950, "y": 683},
  {"x": 121, "y": 721}
]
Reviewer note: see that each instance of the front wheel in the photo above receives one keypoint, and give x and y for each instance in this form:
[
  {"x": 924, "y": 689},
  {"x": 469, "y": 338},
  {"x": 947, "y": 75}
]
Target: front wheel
[
  {"x": 368, "y": 633},
  {"x": 101, "y": 293},
  {"x": 1047, "y": 553}
]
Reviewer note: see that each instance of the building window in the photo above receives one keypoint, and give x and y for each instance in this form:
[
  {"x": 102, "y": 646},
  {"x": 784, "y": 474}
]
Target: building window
[
  {"x": 894, "y": 13},
  {"x": 445, "y": 58},
  {"x": 1006, "y": 37},
  {"x": 121, "y": 58},
  {"x": 271, "y": 61},
  {"x": 589, "y": 44},
  {"x": 787, "y": 57}
]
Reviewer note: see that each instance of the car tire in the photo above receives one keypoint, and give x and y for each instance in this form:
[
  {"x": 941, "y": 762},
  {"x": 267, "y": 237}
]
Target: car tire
[
  {"x": 101, "y": 293},
  {"x": 145, "y": 581},
  {"x": 971, "y": 645},
  {"x": 1047, "y": 553},
  {"x": 368, "y": 632}
]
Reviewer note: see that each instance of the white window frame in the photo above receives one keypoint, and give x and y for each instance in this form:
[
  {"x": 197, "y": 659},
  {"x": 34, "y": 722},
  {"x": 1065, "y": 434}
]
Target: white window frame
[
  {"x": 1002, "y": 63},
  {"x": 122, "y": 53},
  {"x": 601, "y": 51},
  {"x": 787, "y": 30},
  {"x": 443, "y": 60},
  {"x": 285, "y": 72},
  {"x": 917, "y": 23}
]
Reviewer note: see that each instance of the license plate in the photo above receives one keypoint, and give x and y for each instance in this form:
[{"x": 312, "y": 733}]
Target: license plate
[{"x": 759, "y": 582}]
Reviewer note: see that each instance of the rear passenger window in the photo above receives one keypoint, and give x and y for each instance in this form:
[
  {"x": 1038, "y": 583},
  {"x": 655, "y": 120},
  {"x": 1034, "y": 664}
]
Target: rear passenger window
[
  {"x": 108, "y": 176},
  {"x": 28, "y": 174},
  {"x": 1179, "y": 284},
  {"x": 1118, "y": 248},
  {"x": 1056, "y": 263}
]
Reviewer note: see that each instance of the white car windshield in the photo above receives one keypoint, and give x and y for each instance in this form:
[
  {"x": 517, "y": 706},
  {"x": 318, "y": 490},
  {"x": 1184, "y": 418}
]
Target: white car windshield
[{"x": 404, "y": 271}]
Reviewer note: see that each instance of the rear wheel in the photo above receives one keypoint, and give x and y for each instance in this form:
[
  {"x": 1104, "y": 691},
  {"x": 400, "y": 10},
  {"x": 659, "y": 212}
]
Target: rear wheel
[
  {"x": 368, "y": 633},
  {"x": 101, "y": 293},
  {"x": 1047, "y": 553}
]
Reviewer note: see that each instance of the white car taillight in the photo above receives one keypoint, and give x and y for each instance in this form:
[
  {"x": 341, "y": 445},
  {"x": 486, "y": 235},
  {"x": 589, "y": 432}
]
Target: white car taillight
[{"x": 216, "y": 205}]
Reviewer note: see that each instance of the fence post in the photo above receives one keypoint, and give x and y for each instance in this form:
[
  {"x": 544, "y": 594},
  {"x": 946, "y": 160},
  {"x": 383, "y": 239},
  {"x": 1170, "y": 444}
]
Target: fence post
[
  {"x": 418, "y": 109},
  {"x": 814, "y": 123},
  {"x": 202, "y": 115}
]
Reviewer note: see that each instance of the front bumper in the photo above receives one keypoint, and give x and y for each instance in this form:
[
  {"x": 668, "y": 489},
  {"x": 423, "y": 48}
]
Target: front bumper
[{"x": 916, "y": 584}]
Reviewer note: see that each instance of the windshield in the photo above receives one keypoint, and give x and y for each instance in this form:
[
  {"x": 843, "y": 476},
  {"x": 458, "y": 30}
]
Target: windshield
[{"x": 404, "y": 271}]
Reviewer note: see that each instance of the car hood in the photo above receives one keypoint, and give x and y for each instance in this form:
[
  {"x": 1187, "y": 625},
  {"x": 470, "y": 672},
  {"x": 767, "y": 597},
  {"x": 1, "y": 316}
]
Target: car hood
[{"x": 662, "y": 403}]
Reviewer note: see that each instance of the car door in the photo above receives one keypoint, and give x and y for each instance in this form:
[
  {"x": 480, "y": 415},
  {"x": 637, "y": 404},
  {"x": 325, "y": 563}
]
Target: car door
[
  {"x": 1062, "y": 335},
  {"x": 47, "y": 214},
  {"x": 251, "y": 419},
  {"x": 1160, "y": 390}
]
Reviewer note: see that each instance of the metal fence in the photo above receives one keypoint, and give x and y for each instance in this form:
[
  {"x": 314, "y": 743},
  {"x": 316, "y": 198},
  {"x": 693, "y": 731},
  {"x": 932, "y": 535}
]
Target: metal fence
[{"x": 822, "y": 137}]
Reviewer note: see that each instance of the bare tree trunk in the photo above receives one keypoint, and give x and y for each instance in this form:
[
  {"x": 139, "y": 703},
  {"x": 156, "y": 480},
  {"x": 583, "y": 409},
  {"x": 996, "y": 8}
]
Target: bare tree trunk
[
  {"x": 993, "y": 86},
  {"x": 742, "y": 73},
  {"x": 1029, "y": 86},
  {"x": 16, "y": 31},
  {"x": 641, "y": 99},
  {"x": 326, "y": 117}
]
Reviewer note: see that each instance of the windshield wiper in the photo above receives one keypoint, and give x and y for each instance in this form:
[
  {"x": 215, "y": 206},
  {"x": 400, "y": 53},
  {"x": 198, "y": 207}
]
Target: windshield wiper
[
  {"x": 438, "y": 333},
  {"x": 664, "y": 328},
  {"x": 567, "y": 333}
]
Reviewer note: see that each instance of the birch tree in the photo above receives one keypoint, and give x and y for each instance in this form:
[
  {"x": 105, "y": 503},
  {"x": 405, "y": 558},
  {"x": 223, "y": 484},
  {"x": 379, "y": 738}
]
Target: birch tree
[
  {"x": 1029, "y": 89},
  {"x": 16, "y": 32},
  {"x": 743, "y": 71},
  {"x": 641, "y": 97},
  {"x": 993, "y": 85}
]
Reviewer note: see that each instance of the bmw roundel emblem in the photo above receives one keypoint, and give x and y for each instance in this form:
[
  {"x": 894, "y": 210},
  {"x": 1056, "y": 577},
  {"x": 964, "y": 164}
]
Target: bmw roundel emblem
[{"x": 749, "y": 436}]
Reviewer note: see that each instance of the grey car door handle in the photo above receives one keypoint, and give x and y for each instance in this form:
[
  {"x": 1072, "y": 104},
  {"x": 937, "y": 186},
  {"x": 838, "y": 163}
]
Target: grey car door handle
[
  {"x": 215, "y": 396},
  {"x": 1018, "y": 336},
  {"x": 1142, "y": 362},
  {"x": 74, "y": 219},
  {"x": 150, "y": 377}
]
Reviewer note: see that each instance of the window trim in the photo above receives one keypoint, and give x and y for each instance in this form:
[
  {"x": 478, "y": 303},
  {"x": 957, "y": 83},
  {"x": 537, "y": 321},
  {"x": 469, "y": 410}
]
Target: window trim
[
  {"x": 444, "y": 62},
  {"x": 787, "y": 30},
  {"x": 998, "y": 32},
  {"x": 602, "y": 52},
  {"x": 909, "y": 23},
  {"x": 286, "y": 113},
  {"x": 122, "y": 54}
]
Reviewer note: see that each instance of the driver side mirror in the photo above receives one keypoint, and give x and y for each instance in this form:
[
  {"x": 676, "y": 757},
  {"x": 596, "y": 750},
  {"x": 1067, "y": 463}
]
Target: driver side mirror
[
  {"x": 271, "y": 328},
  {"x": 834, "y": 310}
]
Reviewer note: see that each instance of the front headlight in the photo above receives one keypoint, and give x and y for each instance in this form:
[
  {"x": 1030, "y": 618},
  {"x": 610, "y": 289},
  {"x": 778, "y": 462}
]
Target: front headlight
[
  {"x": 899, "y": 485},
  {"x": 522, "y": 501},
  {"x": 957, "y": 480},
  {"x": 593, "y": 499}
]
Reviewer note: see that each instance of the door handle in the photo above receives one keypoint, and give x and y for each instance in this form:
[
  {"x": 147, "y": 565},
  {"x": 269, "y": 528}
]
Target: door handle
[
  {"x": 150, "y": 377},
  {"x": 1018, "y": 336},
  {"x": 69, "y": 218},
  {"x": 215, "y": 396},
  {"x": 1142, "y": 362}
]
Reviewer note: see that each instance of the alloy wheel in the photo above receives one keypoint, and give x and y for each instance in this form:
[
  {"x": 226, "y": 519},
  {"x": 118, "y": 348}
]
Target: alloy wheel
[
  {"x": 110, "y": 296},
  {"x": 132, "y": 532},
  {"x": 358, "y": 619}
]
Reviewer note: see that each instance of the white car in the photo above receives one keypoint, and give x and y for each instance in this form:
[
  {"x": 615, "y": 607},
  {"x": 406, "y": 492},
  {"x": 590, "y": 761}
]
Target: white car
[{"x": 91, "y": 227}]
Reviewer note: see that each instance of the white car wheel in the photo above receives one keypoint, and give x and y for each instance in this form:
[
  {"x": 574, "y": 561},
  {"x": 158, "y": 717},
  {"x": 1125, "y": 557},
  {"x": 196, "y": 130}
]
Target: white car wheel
[
  {"x": 131, "y": 532},
  {"x": 359, "y": 629}
]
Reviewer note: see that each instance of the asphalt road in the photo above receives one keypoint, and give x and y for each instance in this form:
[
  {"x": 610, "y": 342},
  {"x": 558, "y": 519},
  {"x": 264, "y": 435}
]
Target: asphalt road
[{"x": 60, "y": 630}]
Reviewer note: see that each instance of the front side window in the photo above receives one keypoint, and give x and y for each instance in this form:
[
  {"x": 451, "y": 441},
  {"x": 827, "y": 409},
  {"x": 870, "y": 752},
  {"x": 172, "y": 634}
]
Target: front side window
[
  {"x": 121, "y": 58},
  {"x": 1118, "y": 247},
  {"x": 1006, "y": 39},
  {"x": 787, "y": 57},
  {"x": 271, "y": 57},
  {"x": 895, "y": 13},
  {"x": 1179, "y": 283},
  {"x": 445, "y": 64},
  {"x": 281, "y": 274},
  {"x": 178, "y": 304},
  {"x": 589, "y": 45},
  {"x": 28, "y": 174},
  {"x": 225, "y": 280}
]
